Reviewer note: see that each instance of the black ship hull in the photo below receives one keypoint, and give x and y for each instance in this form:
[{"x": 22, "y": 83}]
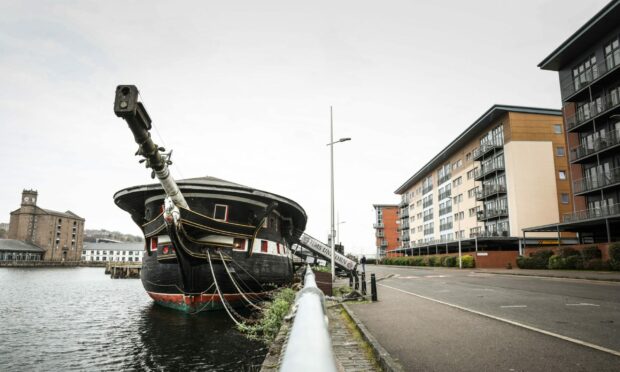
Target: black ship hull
[{"x": 230, "y": 247}]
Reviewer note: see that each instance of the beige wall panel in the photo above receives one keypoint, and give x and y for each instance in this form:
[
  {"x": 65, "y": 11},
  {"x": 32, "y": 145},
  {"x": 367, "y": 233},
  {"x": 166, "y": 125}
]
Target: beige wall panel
[{"x": 531, "y": 184}]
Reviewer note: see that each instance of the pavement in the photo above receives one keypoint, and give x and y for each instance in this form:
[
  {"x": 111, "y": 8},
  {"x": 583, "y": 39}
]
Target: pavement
[{"x": 436, "y": 319}]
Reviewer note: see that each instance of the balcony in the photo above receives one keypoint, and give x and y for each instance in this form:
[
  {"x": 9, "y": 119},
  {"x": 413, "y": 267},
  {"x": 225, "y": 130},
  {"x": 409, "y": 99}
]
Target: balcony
[
  {"x": 428, "y": 217},
  {"x": 479, "y": 174},
  {"x": 491, "y": 234},
  {"x": 445, "y": 194},
  {"x": 445, "y": 210},
  {"x": 600, "y": 180},
  {"x": 429, "y": 231},
  {"x": 403, "y": 226},
  {"x": 591, "y": 110},
  {"x": 378, "y": 225},
  {"x": 383, "y": 243},
  {"x": 404, "y": 212},
  {"x": 427, "y": 203},
  {"x": 605, "y": 211},
  {"x": 570, "y": 86},
  {"x": 490, "y": 190},
  {"x": 443, "y": 179},
  {"x": 600, "y": 144},
  {"x": 492, "y": 213},
  {"x": 479, "y": 152},
  {"x": 427, "y": 189},
  {"x": 445, "y": 226},
  {"x": 380, "y": 234}
]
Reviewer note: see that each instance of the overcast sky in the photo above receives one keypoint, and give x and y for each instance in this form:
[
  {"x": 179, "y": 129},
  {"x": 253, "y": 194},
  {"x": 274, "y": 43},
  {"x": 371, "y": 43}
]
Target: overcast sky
[{"x": 241, "y": 90}]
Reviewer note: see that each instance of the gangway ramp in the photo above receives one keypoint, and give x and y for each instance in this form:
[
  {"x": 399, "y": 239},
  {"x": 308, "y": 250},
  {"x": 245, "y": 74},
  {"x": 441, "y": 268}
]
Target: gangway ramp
[{"x": 325, "y": 251}]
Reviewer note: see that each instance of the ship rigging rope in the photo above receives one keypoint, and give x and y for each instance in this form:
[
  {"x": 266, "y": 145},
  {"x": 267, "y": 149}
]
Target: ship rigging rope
[
  {"x": 250, "y": 292},
  {"x": 224, "y": 302},
  {"x": 235, "y": 284}
]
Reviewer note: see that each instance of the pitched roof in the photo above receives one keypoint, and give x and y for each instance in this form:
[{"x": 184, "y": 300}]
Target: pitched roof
[
  {"x": 67, "y": 214},
  {"x": 474, "y": 130},
  {"x": 18, "y": 246},
  {"x": 591, "y": 32}
]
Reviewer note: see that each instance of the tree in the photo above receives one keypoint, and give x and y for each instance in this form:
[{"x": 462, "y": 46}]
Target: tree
[{"x": 3, "y": 234}]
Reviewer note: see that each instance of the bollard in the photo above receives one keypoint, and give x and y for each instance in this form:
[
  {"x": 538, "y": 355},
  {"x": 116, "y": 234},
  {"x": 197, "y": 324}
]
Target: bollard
[
  {"x": 373, "y": 288},
  {"x": 357, "y": 280},
  {"x": 350, "y": 280},
  {"x": 363, "y": 283}
]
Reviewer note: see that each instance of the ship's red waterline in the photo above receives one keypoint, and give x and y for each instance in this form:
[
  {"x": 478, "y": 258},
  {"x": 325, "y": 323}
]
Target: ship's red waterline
[{"x": 199, "y": 302}]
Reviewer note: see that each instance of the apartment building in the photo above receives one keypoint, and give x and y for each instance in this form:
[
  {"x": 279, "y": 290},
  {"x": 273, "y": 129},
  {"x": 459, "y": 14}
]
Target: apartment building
[
  {"x": 588, "y": 64},
  {"x": 386, "y": 229},
  {"x": 508, "y": 170}
]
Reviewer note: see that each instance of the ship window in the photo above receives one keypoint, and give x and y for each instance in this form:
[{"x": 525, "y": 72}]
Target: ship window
[
  {"x": 154, "y": 244},
  {"x": 239, "y": 244},
  {"x": 278, "y": 247},
  {"x": 263, "y": 246},
  {"x": 221, "y": 212}
]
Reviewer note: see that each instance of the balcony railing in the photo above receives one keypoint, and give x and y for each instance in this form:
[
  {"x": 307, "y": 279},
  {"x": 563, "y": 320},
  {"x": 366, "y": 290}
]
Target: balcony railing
[
  {"x": 592, "y": 109},
  {"x": 427, "y": 203},
  {"x": 383, "y": 243},
  {"x": 604, "y": 211},
  {"x": 602, "y": 179},
  {"x": 429, "y": 231},
  {"x": 380, "y": 234},
  {"x": 445, "y": 194},
  {"x": 492, "y": 213},
  {"x": 403, "y": 226},
  {"x": 445, "y": 226},
  {"x": 378, "y": 225},
  {"x": 443, "y": 179},
  {"x": 490, "y": 234},
  {"x": 599, "y": 144},
  {"x": 427, "y": 189},
  {"x": 445, "y": 210},
  {"x": 428, "y": 217},
  {"x": 483, "y": 149},
  {"x": 488, "y": 190},
  {"x": 479, "y": 173},
  {"x": 570, "y": 85}
]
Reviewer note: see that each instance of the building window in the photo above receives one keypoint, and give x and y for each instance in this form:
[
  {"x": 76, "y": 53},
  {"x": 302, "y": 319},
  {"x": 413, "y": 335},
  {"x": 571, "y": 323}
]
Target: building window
[
  {"x": 557, "y": 128},
  {"x": 468, "y": 156},
  {"x": 612, "y": 54},
  {"x": 457, "y": 181},
  {"x": 564, "y": 198},
  {"x": 471, "y": 173},
  {"x": 559, "y": 151},
  {"x": 562, "y": 174},
  {"x": 585, "y": 72}
]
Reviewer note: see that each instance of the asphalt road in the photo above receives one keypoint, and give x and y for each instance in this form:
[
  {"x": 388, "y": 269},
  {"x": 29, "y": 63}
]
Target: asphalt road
[{"x": 448, "y": 320}]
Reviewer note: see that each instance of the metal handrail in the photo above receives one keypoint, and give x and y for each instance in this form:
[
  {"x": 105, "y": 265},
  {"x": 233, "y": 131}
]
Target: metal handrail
[
  {"x": 309, "y": 345},
  {"x": 586, "y": 214},
  {"x": 599, "y": 180},
  {"x": 594, "y": 109},
  {"x": 484, "y": 148},
  {"x": 600, "y": 143},
  {"x": 490, "y": 190}
]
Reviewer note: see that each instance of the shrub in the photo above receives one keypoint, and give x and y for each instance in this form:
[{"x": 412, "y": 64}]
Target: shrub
[
  {"x": 418, "y": 261},
  {"x": 450, "y": 261},
  {"x": 572, "y": 262},
  {"x": 537, "y": 260},
  {"x": 433, "y": 261},
  {"x": 468, "y": 261},
  {"x": 594, "y": 264},
  {"x": 269, "y": 324},
  {"x": 590, "y": 253},
  {"x": 614, "y": 256},
  {"x": 556, "y": 262}
]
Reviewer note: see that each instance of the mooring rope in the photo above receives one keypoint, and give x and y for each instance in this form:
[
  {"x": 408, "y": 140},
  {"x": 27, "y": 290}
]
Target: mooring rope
[
  {"x": 224, "y": 302},
  {"x": 235, "y": 284}
]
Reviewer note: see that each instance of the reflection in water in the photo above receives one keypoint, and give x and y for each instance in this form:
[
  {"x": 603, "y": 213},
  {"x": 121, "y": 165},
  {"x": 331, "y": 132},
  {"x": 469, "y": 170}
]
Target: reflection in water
[
  {"x": 80, "y": 319},
  {"x": 169, "y": 339}
]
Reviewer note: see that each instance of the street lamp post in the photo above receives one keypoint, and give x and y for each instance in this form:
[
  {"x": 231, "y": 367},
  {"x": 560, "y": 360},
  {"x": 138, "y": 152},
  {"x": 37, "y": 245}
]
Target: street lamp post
[{"x": 331, "y": 148}]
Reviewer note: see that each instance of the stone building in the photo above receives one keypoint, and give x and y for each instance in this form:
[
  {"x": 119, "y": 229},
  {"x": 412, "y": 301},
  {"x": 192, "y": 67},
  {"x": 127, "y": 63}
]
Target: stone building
[{"x": 59, "y": 234}]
